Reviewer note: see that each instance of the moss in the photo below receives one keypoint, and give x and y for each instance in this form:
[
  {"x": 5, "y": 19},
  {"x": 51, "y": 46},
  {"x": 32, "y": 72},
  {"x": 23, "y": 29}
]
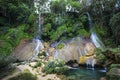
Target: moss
[
  {"x": 25, "y": 76},
  {"x": 60, "y": 46}
]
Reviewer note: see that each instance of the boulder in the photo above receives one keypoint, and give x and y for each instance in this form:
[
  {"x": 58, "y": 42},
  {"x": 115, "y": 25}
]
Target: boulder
[{"x": 26, "y": 50}]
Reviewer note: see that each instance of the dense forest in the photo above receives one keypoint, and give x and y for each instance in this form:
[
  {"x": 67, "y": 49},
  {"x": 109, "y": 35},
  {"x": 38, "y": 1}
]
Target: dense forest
[{"x": 60, "y": 20}]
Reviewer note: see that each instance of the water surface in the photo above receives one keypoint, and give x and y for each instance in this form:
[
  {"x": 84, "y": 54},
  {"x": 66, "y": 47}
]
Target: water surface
[{"x": 85, "y": 74}]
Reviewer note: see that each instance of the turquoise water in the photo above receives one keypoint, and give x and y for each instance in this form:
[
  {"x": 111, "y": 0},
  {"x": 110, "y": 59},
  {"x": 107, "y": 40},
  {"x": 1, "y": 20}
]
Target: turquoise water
[{"x": 85, "y": 74}]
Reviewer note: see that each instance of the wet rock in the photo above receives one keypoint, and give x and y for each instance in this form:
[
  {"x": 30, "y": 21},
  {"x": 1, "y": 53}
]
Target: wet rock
[
  {"x": 74, "y": 49},
  {"x": 25, "y": 50},
  {"x": 75, "y": 65}
]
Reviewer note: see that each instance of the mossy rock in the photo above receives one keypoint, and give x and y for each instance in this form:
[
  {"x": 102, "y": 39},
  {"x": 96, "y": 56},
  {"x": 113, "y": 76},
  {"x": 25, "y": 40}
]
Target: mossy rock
[{"x": 114, "y": 74}]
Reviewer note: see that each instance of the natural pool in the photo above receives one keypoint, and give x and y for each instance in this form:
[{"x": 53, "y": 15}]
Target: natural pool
[{"x": 85, "y": 74}]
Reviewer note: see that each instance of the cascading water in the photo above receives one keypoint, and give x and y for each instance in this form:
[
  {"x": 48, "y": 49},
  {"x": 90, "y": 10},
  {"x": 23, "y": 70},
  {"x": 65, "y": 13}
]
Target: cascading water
[
  {"x": 94, "y": 38},
  {"x": 38, "y": 44},
  {"x": 96, "y": 41}
]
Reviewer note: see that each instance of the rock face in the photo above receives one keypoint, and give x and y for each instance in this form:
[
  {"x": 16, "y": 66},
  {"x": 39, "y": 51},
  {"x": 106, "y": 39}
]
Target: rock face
[
  {"x": 25, "y": 50},
  {"x": 76, "y": 49}
]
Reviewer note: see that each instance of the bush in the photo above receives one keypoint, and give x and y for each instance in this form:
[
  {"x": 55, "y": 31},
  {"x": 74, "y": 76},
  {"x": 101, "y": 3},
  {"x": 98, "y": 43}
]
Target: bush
[
  {"x": 56, "y": 66},
  {"x": 63, "y": 27},
  {"x": 115, "y": 26},
  {"x": 100, "y": 57},
  {"x": 38, "y": 64},
  {"x": 60, "y": 46},
  {"x": 25, "y": 76},
  {"x": 5, "y": 60},
  {"x": 115, "y": 66}
]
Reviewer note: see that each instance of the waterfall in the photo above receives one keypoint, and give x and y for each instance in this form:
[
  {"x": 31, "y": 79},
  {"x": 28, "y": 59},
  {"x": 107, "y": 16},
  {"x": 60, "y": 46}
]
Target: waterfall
[
  {"x": 94, "y": 38},
  {"x": 97, "y": 42},
  {"x": 90, "y": 62},
  {"x": 37, "y": 42},
  {"x": 89, "y": 20}
]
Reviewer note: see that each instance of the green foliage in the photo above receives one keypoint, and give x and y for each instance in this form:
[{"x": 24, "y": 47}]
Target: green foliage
[
  {"x": 116, "y": 50},
  {"x": 100, "y": 57},
  {"x": 41, "y": 54},
  {"x": 5, "y": 48},
  {"x": 32, "y": 18},
  {"x": 58, "y": 6},
  {"x": 63, "y": 27},
  {"x": 17, "y": 21},
  {"x": 115, "y": 66},
  {"x": 76, "y": 5},
  {"x": 115, "y": 26},
  {"x": 56, "y": 66},
  {"x": 12, "y": 38},
  {"x": 16, "y": 11},
  {"x": 38, "y": 64},
  {"x": 15, "y": 35},
  {"x": 24, "y": 76},
  {"x": 100, "y": 30},
  {"x": 5, "y": 60},
  {"x": 60, "y": 46}
]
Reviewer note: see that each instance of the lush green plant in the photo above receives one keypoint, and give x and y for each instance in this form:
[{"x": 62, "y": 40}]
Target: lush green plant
[
  {"x": 100, "y": 57},
  {"x": 115, "y": 66},
  {"x": 5, "y": 48},
  {"x": 5, "y": 60},
  {"x": 60, "y": 46},
  {"x": 24, "y": 76},
  {"x": 15, "y": 35},
  {"x": 17, "y": 11},
  {"x": 58, "y": 6},
  {"x": 17, "y": 21},
  {"x": 115, "y": 26},
  {"x": 64, "y": 27},
  {"x": 56, "y": 66},
  {"x": 38, "y": 64},
  {"x": 42, "y": 54},
  {"x": 12, "y": 38}
]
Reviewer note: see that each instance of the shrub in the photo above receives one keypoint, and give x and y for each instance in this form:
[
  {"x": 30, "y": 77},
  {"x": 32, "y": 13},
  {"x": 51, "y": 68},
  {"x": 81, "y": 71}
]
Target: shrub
[
  {"x": 24, "y": 76},
  {"x": 38, "y": 64},
  {"x": 100, "y": 57},
  {"x": 115, "y": 66},
  {"x": 115, "y": 26},
  {"x": 5, "y": 60},
  {"x": 60, "y": 46},
  {"x": 55, "y": 66}
]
